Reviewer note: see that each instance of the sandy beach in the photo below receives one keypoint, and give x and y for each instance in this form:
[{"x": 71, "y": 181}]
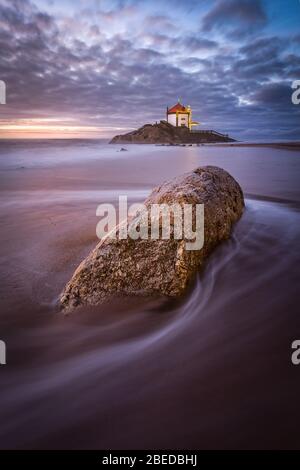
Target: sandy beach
[{"x": 212, "y": 370}]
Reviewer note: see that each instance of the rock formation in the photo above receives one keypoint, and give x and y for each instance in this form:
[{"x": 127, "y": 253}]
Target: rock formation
[
  {"x": 165, "y": 133},
  {"x": 164, "y": 266}
]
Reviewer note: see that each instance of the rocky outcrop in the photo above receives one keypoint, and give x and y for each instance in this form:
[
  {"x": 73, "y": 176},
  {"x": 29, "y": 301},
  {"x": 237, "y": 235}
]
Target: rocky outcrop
[
  {"x": 165, "y": 133},
  {"x": 164, "y": 266}
]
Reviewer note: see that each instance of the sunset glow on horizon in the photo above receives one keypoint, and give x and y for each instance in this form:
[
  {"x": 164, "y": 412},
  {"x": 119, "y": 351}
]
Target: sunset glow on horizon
[{"x": 42, "y": 128}]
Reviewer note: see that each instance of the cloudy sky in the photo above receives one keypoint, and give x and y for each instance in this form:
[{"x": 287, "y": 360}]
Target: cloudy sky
[{"x": 100, "y": 68}]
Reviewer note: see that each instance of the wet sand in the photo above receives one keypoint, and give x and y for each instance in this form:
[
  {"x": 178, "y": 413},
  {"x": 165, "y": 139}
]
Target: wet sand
[{"x": 210, "y": 371}]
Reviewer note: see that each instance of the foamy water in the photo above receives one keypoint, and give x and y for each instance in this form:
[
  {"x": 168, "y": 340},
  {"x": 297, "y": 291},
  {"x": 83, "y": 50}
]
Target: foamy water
[{"x": 211, "y": 370}]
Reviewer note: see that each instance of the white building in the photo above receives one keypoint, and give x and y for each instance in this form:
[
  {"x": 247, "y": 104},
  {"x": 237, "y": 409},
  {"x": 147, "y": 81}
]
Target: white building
[{"x": 180, "y": 116}]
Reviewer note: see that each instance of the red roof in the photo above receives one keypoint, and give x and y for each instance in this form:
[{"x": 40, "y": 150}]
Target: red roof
[{"x": 177, "y": 107}]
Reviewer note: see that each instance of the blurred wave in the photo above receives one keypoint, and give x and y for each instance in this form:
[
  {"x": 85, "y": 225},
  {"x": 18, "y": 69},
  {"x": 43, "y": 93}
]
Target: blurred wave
[{"x": 157, "y": 373}]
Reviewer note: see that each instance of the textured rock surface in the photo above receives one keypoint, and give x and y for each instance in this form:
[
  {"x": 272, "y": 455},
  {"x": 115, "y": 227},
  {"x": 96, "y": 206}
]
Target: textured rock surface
[
  {"x": 135, "y": 267},
  {"x": 165, "y": 133}
]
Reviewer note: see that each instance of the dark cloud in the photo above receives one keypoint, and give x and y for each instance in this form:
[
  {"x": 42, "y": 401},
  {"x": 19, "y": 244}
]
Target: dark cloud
[
  {"x": 193, "y": 43},
  {"x": 235, "y": 17},
  {"x": 264, "y": 49},
  {"x": 265, "y": 58},
  {"x": 187, "y": 44},
  {"x": 277, "y": 95}
]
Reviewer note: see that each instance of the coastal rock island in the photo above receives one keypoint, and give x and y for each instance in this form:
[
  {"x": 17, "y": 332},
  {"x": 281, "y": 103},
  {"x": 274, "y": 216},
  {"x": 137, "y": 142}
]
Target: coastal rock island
[
  {"x": 165, "y": 267},
  {"x": 165, "y": 133},
  {"x": 177, "y": 128}
]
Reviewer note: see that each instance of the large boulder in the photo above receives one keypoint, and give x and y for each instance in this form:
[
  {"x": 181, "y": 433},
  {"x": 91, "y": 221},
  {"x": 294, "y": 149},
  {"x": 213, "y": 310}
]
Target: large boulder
[{"x": 163, "y": 266}]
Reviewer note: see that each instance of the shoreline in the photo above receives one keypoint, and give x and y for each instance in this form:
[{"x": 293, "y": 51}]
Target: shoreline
[
  {"x": 278, "y": 145},
  {"x": 289, "y": 145}
]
